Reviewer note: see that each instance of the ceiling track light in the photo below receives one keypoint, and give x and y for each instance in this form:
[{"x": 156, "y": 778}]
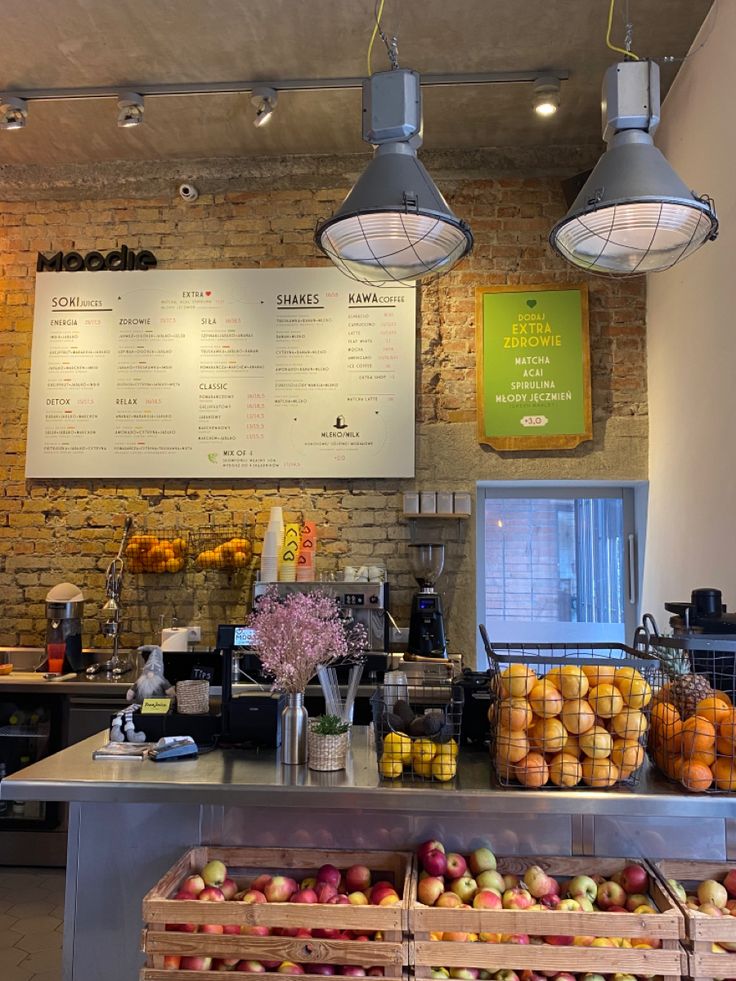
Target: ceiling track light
[
  {"x": 546, "y": 98},
  {"x": 394, "y": 227},
  {"x": 634, "y": 214},
  {"x": 130, "y": 110},
  {"x": 264, "y": 98},
  {"x": 13, "y": 112}
]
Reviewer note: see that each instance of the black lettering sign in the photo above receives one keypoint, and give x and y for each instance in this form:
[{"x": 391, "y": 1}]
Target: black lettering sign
[{"x": 122, "y": 259}]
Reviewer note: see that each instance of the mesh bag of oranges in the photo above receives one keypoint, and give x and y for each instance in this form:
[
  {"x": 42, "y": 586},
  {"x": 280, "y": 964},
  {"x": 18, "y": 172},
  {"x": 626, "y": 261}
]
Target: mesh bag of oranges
[
  {"x": 161, "y": 552},
  {"x": 569, "y": 716},
  {"x": 419, "y": 741},
  {"x": 693, "y": 719},
  {"x": 221, "y": 548}
]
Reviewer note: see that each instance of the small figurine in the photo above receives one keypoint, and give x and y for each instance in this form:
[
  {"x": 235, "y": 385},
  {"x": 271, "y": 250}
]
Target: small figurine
[{"x": 151, "y": 682}]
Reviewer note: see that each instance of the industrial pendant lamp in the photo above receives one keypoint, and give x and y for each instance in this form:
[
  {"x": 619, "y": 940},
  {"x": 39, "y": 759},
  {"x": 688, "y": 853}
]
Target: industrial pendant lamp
[
  {"x": 633, "y": 215},
  {"x": 394, "y": 227}
]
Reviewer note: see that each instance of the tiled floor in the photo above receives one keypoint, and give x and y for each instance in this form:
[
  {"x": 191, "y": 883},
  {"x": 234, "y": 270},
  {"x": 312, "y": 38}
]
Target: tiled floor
[{"x": 31, "y": 924}]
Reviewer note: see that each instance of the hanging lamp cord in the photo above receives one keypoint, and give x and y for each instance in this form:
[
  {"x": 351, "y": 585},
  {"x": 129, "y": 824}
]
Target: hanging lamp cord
[{"x": 626, "y": 52}]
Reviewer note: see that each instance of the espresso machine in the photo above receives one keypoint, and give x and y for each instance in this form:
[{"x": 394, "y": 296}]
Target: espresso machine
[{"x": 427, "y": 625}]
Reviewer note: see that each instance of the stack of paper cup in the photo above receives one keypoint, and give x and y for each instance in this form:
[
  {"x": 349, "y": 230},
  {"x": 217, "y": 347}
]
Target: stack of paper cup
[
  {"x": 289, "y": 552},
  {"x": 305, "y": 569},
  {"x": 272, "y": 546}
]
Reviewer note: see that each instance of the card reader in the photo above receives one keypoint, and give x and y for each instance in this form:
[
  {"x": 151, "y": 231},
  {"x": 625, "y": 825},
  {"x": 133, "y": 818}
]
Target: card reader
[{"x": 173, "y": 748}]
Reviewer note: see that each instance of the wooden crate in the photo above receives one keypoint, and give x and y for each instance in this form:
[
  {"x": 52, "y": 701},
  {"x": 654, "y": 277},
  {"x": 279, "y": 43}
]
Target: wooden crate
[
  {"x": 669, "y": 961},
  {"x": 390, "y": 953},
  {"x": 702, "y": 931}
]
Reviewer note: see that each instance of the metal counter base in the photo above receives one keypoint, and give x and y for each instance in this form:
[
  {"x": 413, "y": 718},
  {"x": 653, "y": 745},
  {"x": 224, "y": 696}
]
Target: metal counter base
[{"x": 129, "y": 822}]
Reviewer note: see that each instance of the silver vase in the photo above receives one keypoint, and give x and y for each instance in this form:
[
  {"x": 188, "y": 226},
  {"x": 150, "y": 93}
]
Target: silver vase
[{"x": 294, "y": 725}]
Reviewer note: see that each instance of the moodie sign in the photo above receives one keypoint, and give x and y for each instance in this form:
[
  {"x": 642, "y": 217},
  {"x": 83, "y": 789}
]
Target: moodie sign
[{"x": 119, "y": 260}]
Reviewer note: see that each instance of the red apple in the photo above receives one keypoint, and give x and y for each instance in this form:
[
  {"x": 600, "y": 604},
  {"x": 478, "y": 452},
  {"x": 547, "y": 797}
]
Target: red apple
[
  {"x": 289, "y": 967},
  {"x": 340, "y": 900},
  {"x": 214, "y": 873},
  {"x": 730, "y": 883},
  {"x": 260, "y": 882},
  {"x": 435, "y": 862},
  {"x": 427, "y": 846},
  {"x": 430, "y": 889},
  {"x": 211, "y": 895},
  {"x": 618, "y": 909},
  {"x": 487, "y": 899},
  {"x": 251, "y": 967},
  {"x": 515, "y": 938},
  {"x": 320, "y": 969},
  {"x": 303, "y": 896},
  {"x": 551, "y": 901},
  {"x": 251, "y": 896},
  {"x": 456, "y": 865},
  {"x": 255, "y": 931},
  {"x": 517, "y": 898},
  {"x": 225, "y": 963},
  {"x": 378, "y": 892},
  {"x": 357, "y": 878},
  {"x": 212, "y": 928},
  {"x": 465, "y": 887},
  {"x": 182, "y": 927},
  {"x": 330, "y": 874},
  {"x": 228, "y": 888},
  {"x": 636, "y": 899},
  {"x": 539, "y": 883},
  {"x": 280, "y": 889},
  {"x": 185, "y": 895},
  {"x": 352, "y": 971},
  {"x": 231, "y": 928},
  {"x": 376, "y": 972},
  {"x": 559, "y": 941},
  {"x": 448, "y": 900},
  {"x": 195, "y": 963},
  {"x": 271, "y": 965},
  {"x": 193, "y": 884},
  {"x": 325, "y": 891},
  {"x": 610, "y": 893},
  {"x": 172, "y": 962},
  {"x": 634, "y": 879},
  {"x": 390, "y": 899}
]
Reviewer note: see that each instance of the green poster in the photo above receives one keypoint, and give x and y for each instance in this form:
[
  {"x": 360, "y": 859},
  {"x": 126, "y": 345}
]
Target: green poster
[{"x": 533, "y": 367}]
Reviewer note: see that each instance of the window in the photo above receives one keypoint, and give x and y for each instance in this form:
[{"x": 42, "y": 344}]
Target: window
[{"x": 556, "y": 563}]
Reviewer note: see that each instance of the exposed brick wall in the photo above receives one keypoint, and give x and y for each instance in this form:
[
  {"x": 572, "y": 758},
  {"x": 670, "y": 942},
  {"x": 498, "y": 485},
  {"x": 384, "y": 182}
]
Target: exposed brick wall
[{"x": 56, "y": 530}]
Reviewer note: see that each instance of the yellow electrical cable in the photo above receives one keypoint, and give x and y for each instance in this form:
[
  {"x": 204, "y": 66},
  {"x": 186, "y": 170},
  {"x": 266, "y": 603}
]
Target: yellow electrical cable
[
  {"x": 623, "y": 51},
  {"x": 373, "y": 36}
]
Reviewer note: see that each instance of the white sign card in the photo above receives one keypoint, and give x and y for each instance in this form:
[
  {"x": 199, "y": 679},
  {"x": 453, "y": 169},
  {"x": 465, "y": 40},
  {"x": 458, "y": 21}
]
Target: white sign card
[{"x": 220, "y": 373}]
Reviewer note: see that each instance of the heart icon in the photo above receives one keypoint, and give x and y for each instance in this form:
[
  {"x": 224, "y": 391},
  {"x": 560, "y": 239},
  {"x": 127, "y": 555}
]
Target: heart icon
[
  {"x": 530, "y": 303},
  {"x": 208, "y": 292}
]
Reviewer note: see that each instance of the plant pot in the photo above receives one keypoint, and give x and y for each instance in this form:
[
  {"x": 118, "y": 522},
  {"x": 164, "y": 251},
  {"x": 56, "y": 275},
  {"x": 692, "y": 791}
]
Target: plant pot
[{"x": 328, "y": 752}]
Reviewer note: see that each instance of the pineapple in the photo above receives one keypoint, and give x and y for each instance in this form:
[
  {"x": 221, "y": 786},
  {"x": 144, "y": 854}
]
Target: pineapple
[{"x": 686, "y": 691}]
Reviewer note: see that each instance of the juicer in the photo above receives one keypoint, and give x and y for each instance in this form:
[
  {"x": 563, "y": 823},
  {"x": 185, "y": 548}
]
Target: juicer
[{"x": 426, "y": 625}]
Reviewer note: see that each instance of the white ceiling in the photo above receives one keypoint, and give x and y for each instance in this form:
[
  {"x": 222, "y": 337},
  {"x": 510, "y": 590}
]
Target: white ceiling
[{"x": 121, "y": 43}]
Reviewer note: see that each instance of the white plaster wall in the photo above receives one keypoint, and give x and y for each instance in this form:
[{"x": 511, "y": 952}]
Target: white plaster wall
[{"x": 691, "y": 330}]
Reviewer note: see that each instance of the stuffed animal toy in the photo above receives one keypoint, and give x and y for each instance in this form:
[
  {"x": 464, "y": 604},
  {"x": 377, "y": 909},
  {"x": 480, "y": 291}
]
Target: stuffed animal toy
[
  {"x": 151, "y": 682},
  {"x": 123, "y": 727}
]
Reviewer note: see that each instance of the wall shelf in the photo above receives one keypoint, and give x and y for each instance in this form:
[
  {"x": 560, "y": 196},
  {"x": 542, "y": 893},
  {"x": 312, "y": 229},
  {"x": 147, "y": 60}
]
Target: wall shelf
[{"x": 410, "y": 516}]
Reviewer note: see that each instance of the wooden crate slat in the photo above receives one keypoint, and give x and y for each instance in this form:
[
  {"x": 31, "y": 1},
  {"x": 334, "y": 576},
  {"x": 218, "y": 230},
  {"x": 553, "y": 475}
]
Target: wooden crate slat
[
  {"x": 306, "y": 950},
  {"x": 155, "y": 974}
]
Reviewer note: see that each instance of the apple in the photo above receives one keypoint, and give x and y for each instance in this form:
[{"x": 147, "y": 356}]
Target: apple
[
  {"x": 465, "y": 887},
  {"x": 565, "y": 976},
  {"x": 634, "y": 879},
  {"x": 586, "y": 905},
  {"x": 249, "y": 930},
  {"x": 339, "y": 900},
  {"x": 538, "y": 882},
  {"x": 360, "y": 899},
  {"x": 429, "y": 846},
  {"x": 280, "y": 889},
  {"x": 559, "y": 941},
  {"x": 582, "y": 885},
  {"x": 517, "y": 898},
  {"x": 231, "y": 929},
  {"x": 327, "y": 933},
  {"x": 185, "y": 895},
  {"x": 435, "y": 862},
  {"x": 324, "y": 891},
  {"x": 376, "y": 972},
  {"x": 390, "y": 899},
  {"x": 487, "y": 899},
  {"x": 429, "y": 890},
  {"x": 449, "y": 900},
  {"x": 320, "y": 969},
  {"x": 510, "y": 881},
  {"x": 481, "y": 860},
  {"x": 679, "y": 890},
  {"x": 352, "y": 971},
  {"x": 289, "y": 967},
  {"x": 252, "y": 896},
  {"x": 618, "y": 909},
  {"x": 551, "y": 901},
  {"x": 330, "y": 874},
  {"x": 593, "y": 977},
  {"x": 357, "y": 878},
  {"x": 214, "y": 873},
  {"x": 303, "y": 896},
  {"x": 710, "y": 909},
  {"x": 636, "y": 899},
  {"x": 456, "y": 865},
  {"x": 228, "y": 888},
  {"x": 465, "y": 973},
  {"x": 193, "y": 884},
  {"x": 515, "y": 938},
  {"x": 261, "y": 882},
  {"x": 438, "y": 973},
  {"x": 251, "y": 967},
  {"x": 611, "y": 894},
  {"x": 710, "y": 891},
  {"x": 731, "y": 906},
  {"x": 195, "y": 963},
  {"x": 172, "y": 962},
  {"x": 182, "y": 927},
  {"x": 225, "y": 963},
  {"x": 570, "y": 905},
  {"x": 378, "y": 892},
  {"x": 730, "y": 883},
  {"x": 506, "y": 976},
  {"x": 212, "y": 928},
  {"x": 211, "y": 895},
  {"x": 491, "y": 879}
]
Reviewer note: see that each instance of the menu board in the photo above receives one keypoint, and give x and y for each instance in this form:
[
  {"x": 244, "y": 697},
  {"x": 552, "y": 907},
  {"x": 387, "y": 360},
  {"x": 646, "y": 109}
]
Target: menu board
[
  {"x": 220, "y": 373},
  {"x": 533, "y": 367}
]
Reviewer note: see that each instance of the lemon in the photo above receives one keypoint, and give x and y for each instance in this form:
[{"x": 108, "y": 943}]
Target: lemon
[
  {"x": 397, "y": 747},
  {"x": 422, "y": 769},
  {"x": 423, "y": 750},
  {"x": 448, "y": 750},
  {"x": 443, "y": 768},
  {"x": 389, "y": 767}
]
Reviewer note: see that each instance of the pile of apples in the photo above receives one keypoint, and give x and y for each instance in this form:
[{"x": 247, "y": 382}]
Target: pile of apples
[
  {"x": 711, "y": 898},
  {"x": 476, "y": 974},
  {"x": 328, "y": 886},
  {"x": 450, "y": 880}
]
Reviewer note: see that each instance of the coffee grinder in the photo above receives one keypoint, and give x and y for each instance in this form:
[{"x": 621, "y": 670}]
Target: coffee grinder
[{"x": 426, "y": 626}]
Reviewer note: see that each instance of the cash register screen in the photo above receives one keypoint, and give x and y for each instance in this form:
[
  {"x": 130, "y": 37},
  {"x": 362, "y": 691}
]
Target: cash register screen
[{"x": 243, "y": 637}]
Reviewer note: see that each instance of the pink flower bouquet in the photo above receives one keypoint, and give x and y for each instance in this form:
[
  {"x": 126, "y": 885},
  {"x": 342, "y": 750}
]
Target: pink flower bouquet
[{"x": 300, "y": 633}]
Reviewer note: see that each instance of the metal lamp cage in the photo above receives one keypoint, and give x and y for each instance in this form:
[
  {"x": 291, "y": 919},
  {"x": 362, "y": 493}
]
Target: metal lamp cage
[{"x": 529, "y": 758}]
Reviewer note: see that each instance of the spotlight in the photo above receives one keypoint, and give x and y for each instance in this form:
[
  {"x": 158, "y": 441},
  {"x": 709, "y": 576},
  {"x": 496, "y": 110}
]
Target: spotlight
[
  {"x": 13, "y": 112},
  {"x": 394, "y": 226},
  {"x": 633, "y": 215},
  {"x": 546, "y": 99},
  {"x": 130, "y": 109},
  {"x": 264, "y": 99}
]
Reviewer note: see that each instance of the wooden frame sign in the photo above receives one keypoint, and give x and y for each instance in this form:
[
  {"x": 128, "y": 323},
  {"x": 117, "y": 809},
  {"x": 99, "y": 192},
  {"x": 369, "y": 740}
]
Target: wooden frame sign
[{"x": 533, "y": 367}]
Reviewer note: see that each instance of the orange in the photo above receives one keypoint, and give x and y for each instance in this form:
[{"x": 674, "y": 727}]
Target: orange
[
  {"x": 627, "y": 755},
  {"x": 532, "y": 771},
  {"x": 599, "y": 773},
  {"x": 599, "y": 673},
  {"x": 596, "y": 742},
  {"x": 548, "y": 736},
  {"x": 629, "y": 724},
  {"x": 727, "y": 726},
  {"x": 565, "y": 770},
  {"x": 572, "y": 746},
  {"x": 635, "y": 690},
  {"x": 515, "y": 713},
  {"x": 578, "y": 715},
  {"x": 706, "y": 756},
  {"x": 506, "y": 771},
  {"x": 673, "y": 738},
  {"x": 545, "y": 699},
  {"x": 695, "y": 776},
  {"x": 724, "y": 747},
  {"x": 571, "y": 682},
  {"x": 724, "y": 774},
  {"x": 511, "y": 745},
  {"x": 606, "y": 700},
  {"x": 664, "y": 714},
  {"x": 698, "y": 734},
  {"x": 712, "y": 708},
  {"x": 517, "y": 680},
  {"x": 723, "y": 697}
]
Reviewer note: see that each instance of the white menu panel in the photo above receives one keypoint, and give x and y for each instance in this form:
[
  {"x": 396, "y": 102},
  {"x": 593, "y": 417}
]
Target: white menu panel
[{"x": 220, "y": 373}]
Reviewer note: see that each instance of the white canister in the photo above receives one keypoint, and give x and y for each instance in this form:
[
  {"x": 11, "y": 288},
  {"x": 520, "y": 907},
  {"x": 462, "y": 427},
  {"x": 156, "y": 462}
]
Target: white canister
[
  {"x": 428, "y": 502},
  {"x": 444, "y": 502}
]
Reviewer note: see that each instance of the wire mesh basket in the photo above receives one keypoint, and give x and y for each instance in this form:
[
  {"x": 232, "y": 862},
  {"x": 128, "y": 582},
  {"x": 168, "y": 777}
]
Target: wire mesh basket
[
  {"x": 693, "y": 721},
  {"x": 570, "y": 715},
  {"x": 417, "y": 730},
  {"x": 156, "y": 551},
  {"x": 221, "y": 547}
]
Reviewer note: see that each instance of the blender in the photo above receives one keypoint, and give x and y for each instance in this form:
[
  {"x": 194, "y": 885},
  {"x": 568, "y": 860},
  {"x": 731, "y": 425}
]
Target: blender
[{"x": 426, "y": 626}]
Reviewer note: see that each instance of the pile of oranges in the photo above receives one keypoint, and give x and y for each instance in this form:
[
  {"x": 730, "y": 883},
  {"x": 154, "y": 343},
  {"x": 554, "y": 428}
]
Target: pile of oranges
[
  {"x": 575, "y": 724},
  {"x": 700, "y": 750},
  {"x": 149, "y": 553},
  {"x": 232, "y": 554}
]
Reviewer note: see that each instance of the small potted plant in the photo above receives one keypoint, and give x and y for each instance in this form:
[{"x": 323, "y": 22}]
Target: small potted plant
[{"x": 329, "y": 739}]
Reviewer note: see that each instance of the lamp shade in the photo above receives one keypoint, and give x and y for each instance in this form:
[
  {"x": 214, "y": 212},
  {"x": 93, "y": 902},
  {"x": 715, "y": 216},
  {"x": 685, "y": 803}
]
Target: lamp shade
[
  {"x": 394, "y": 226},
  {"x": 633, "y": 215}
]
